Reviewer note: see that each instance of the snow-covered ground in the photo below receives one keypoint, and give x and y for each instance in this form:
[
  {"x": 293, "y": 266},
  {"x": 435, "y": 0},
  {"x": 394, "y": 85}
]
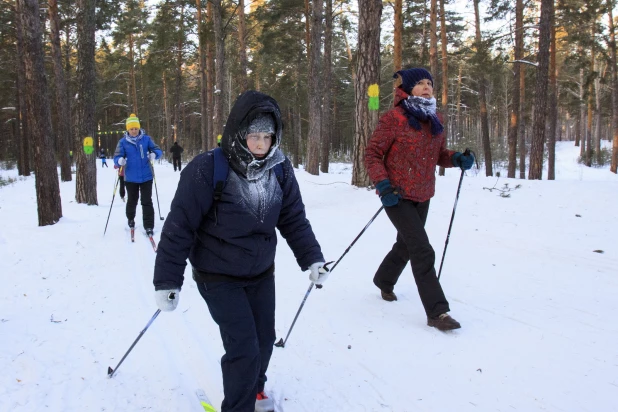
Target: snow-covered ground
[{"x": 537, "y": 304}]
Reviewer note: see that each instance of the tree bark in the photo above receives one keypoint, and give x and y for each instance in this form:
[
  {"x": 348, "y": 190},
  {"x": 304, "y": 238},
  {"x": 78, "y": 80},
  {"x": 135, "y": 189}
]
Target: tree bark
[
  {"x": 63, "y": 134},
  {"x": 514, "y": 122},
  {"x": 23, "y": 163},
  {"x": 46, "y": 174},
  {"x": 483, "y": 93},
  {"x": 325, "y": 144},
  {"x": 397, "y": 44},
  {"x": 210, "y": 74},
  {"x": 178, "y": 85},
  {"x": 612, "y": 47},
  {"x": 443, "y": 44},
  {"x": 220, "y": 89},
  {"x": 86, "y": 177},
  {"x": 132, "y": 73},
  {"x": 540, "y": 102},
  {"x": 553, "y": 104},
  {"x": 244, "y": 77},
  {"x": 203, "y": 81},
  {"x": 367, "y": 74},
  {"x": 314, "y": 91}
]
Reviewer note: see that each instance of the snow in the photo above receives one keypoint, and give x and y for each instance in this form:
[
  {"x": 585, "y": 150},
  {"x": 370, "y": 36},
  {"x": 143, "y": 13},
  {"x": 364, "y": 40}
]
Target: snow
[{"x": 536, "y": 303}]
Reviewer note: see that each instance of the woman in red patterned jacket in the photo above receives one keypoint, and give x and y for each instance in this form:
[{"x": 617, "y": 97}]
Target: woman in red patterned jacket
[{"x": 401, "y": 160}]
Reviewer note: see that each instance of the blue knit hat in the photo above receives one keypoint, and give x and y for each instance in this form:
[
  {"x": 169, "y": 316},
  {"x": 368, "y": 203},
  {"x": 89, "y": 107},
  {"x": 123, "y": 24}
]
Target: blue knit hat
[{"x": 410, "y": 77}]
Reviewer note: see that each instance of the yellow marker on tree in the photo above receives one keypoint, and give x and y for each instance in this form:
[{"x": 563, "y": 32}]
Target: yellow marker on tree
[
  {"x": 374, "y": 96},
  {"x": 88, "y": 145}
]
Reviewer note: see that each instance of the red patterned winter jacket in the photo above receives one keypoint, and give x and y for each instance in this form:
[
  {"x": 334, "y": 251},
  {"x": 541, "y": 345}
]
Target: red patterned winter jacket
[{"x": 404, "y": 155}]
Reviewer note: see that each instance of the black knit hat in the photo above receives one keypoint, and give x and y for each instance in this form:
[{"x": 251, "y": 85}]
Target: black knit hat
[{"x": 410, "y": 77}]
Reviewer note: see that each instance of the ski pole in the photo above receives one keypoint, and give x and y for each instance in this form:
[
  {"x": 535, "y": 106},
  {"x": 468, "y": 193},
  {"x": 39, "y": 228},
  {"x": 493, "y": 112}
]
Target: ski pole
[
  {"x": 156, "y": 191},
  {"x": 448, "y": 235},
  {"x": 110, "y": 371},
  {"x": 281, "y": 342},
  {"x": 113, "y": 196}
]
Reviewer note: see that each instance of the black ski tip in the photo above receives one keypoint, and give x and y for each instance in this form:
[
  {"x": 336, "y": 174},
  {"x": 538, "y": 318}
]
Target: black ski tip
[
  {"x": 280, "y": 343},
  {"x": 162, "y": 218},
  {"x": 110, "y": 371}
]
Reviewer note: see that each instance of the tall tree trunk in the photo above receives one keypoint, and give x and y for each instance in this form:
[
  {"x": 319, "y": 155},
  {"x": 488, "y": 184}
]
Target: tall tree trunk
[
  {"x": 588, "y": 152},
  {"x": 433, "y": 45},
  {"x": 443, "y": 44},
  {"x": 86, "y": 177},
  {"x": 210, "y": 75},
  {"x": 169, "y": 131},
  {"x": 517, "y": 72},
  {"x": 46, "y": 174},
  {"x": 23, "y": 163},
  {"x": 242, "y": 57},
  {"x": 132, "y": 73},
  {"x": 314, "y": 91},
  {"x": 457, "y": 131},
  {"x": 325, "y": 144},
  {"x": 350, "y": 57},
  {"x": 540, "y": 102},
  {"x": 553, "y": 104},
  {"x": 522, "y": 123},
  {"x": 398, "y": 48},
  {"x": 612, "y": 47},
  {"x": 201, "y": 33},
  {"x": 178, "y": 85},
  {"x": 63, "y": 134},
  {"x": 219, "y": 36},
  {"x": 483, "y": 93},
  {"x": 597, "y": 115},
  {"x": 368, "y": 74}
]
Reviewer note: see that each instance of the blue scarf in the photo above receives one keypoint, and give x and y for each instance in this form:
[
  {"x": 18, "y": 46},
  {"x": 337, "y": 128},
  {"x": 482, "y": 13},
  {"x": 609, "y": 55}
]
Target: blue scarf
[
  {"x": 419, "y": 109},
  {"x": 134, "y": 140}
]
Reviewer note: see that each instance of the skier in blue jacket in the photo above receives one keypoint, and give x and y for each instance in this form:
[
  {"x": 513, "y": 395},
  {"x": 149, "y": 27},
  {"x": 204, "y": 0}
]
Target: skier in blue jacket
[
  {"x": 231, "y": 244},
  {"x": 135, "y": 151}
]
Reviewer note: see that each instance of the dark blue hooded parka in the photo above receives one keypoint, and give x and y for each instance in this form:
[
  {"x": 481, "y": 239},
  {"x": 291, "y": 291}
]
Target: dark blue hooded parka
[{"x": 235, "y": 236}]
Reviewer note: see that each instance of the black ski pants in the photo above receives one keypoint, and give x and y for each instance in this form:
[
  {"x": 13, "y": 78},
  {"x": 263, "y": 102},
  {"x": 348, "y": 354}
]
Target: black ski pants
[
  {"x": 413, "y": 246},
  {"x": 143, "y": 191},
  {"x": 122, "y": 191},
  {"x": 245, "y": 313},
  {"x": 176, "y": 161}
]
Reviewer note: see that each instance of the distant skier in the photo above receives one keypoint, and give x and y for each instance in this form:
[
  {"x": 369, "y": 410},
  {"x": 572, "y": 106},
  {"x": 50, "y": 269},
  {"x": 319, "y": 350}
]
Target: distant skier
[
  {"x": 176, "y": 151},
  {"x": 103, "y": 157},
  {"x": 135, "y": 151},
  {"x": 231, "y": 243},
  {"x": 401, "y": 159}
]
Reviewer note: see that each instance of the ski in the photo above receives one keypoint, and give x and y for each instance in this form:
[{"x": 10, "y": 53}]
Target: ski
[
  {"x": 204, "y": 401},
  {"x": 132, "y": 234},
  {"x": 153, "y": 243}
]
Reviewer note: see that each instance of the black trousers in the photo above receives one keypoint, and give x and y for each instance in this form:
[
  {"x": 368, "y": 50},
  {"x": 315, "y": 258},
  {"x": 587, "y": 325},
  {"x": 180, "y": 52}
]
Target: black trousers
[
  {"x": 176, "y": 161},
  {"x": 245, "y": 313},
  {"x": 143, "y": 191},
  {"x": 413, "y": 246},
  {"x": 122, "y": 191}
]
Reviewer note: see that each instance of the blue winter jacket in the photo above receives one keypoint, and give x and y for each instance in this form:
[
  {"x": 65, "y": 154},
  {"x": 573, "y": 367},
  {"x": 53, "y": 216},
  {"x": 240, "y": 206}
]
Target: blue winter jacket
[
  {"x": 137, "y": 169},
  {"x": 234, "y": 236}
]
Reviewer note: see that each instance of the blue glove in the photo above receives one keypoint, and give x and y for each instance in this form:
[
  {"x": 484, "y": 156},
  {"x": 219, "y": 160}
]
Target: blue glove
[
  {"x": 388, "y": 194},
  {"x": 465, "y": 162}
]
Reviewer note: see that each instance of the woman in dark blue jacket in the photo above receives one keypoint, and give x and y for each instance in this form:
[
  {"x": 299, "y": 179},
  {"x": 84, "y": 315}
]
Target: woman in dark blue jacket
[
  {"x": 231, "y": 243},
  {"x": 135, "y": 151}
]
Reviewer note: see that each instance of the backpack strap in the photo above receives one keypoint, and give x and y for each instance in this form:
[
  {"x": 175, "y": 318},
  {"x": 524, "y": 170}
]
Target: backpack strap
[
  {"x": 279, "y": 173},
  {"x": 220, "y": 173}
]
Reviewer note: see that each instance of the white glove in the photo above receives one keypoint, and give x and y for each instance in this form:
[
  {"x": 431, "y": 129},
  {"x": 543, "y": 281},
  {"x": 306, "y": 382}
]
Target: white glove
[
  {"x": 319, "y": 273},
  {"x": 167, "y": 299},
  {"x": 122, "y": 161},
  {"x": 152, "y": 156}
]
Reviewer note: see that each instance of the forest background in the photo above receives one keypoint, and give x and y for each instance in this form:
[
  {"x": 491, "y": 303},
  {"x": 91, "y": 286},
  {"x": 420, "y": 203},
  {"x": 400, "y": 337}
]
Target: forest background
[{"x": 511, "y": 78}]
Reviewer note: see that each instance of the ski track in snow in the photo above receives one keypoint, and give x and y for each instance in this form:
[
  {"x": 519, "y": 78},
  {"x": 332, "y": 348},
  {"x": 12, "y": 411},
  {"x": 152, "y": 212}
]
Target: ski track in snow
[{"x": 535, "y": 303}]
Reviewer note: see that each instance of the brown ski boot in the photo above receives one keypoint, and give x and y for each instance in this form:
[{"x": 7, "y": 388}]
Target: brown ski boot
[
  {"x": 443, "y": 322},
  {"x": 388, "y": 296}
]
